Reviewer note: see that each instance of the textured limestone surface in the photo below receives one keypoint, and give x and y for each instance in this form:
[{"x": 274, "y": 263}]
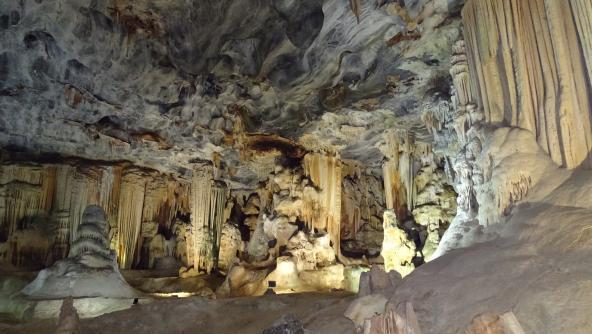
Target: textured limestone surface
[{"x": 122, "y": 80}]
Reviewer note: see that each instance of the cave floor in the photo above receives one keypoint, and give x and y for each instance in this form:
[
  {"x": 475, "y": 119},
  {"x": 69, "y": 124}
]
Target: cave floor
[{"x": 320, "y": 312}]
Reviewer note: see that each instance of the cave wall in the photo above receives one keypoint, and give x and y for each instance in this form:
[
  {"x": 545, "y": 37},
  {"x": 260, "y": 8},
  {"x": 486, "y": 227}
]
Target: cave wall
[{"x": 530, "y": 67}]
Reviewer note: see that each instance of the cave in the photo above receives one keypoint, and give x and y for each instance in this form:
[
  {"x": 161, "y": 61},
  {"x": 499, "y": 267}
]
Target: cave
[{"x": 296, "y": 166}]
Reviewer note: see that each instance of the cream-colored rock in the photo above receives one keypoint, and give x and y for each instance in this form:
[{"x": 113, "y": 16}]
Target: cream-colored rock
[
  {"x": 185, "y": 272},
  {"x": 492, "y": 323},
  {"x": 365, "y": 308},
  {"x": 252, "y": 206},
  {"x": 311, "y": 253},
  {"x": 325, "y": 278},
  {"x": 230, "y": 244},
  {"x": 398, "y": 250},
  {"x": 241, "y": 281},
  {"x": 279, "y": 228}
]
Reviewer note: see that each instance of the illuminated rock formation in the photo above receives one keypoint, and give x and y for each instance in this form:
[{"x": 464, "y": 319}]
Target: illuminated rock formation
[
  {"x": 129, "y": 219},
  {"x": 231, "y": 244},
  {"x": 398, "y": 172},
  {"x": 362, "y": 204},
  {"x": 57, "y": 195},
  {"x": 208, "y": 202},
  {"x": 322, "y": 206},
  {"x": 464, "y": 124},
  {"x": 397, "y": 250},
  {"x": 90, "y": 270},
  {"x": 530, "y": 68}
]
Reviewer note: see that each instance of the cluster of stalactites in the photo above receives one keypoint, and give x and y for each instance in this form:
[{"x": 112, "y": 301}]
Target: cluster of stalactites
[
  {"x": 322, "y": 208},
  {"x": 24, "y": 191},
  {"x": 399, "y": 169},
  {"x": 208, "y": 203},
  {"x": 129, "y": 219},
  {"x": 59, "y": 193},
  {"x": 531, "y": 64}
]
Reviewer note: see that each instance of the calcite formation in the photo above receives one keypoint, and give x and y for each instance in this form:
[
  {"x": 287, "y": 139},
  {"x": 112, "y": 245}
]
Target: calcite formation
[
  {"x": 495, "y": 323},
  {"x": 90, "y": 270},
  {"x": 267, "y": 139},
  {"x": 530, "y": 68},
  {"x": 399, "y": 319},
  {"x": 322, "y": 206},
  {"x": 57, "y": 194},
  {"x": 208, "y": 203},
  {"x": 397, "y": 250}
]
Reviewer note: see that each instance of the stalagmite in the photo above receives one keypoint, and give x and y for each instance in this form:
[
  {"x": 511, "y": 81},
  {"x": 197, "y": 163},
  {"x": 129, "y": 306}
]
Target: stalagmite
[
  {"x": 466, "y": 120},
  {"x": 90, "y": 270}
]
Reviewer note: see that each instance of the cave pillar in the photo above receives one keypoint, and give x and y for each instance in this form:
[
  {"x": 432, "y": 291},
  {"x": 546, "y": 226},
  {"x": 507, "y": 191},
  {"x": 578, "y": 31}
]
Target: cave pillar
[{"x": 208, "y": 202}]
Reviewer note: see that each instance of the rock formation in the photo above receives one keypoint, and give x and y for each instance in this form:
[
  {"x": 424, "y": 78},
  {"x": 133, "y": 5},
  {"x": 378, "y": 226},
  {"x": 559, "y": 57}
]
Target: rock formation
[
  {"x": 494, "y": 323},
  {"x": 397, "y": 250},
  {"x": 90, "y": 270},
  {"x": 530, "y": 69}
]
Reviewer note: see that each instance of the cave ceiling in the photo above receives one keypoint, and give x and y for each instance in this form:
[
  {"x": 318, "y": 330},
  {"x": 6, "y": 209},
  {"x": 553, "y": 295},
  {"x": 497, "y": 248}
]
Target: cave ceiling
[{"x": 168, "y": 84}]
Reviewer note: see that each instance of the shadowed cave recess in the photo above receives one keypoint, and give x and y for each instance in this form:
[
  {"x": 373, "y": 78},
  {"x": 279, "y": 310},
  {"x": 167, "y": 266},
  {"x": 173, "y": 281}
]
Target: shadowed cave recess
[{"x": 296, "y": 166}]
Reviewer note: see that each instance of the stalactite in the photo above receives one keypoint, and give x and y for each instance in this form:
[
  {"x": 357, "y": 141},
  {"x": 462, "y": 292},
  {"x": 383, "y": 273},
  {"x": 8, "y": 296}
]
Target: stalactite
[
  {"x": 85, "y": 187},
  {"x": 27, "y": 192},
  {"x": 60, "y": 193},
  {"x": 208, "y": 202},
  {"x": 582, "y": 10},
  {"x": 529, "y": 61},
  {"x": 129, "y": 219},
  {"x": 398, "y": 171},
  {"x": 61, "y": 210},
  {"x": 322, "y": 208}
]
